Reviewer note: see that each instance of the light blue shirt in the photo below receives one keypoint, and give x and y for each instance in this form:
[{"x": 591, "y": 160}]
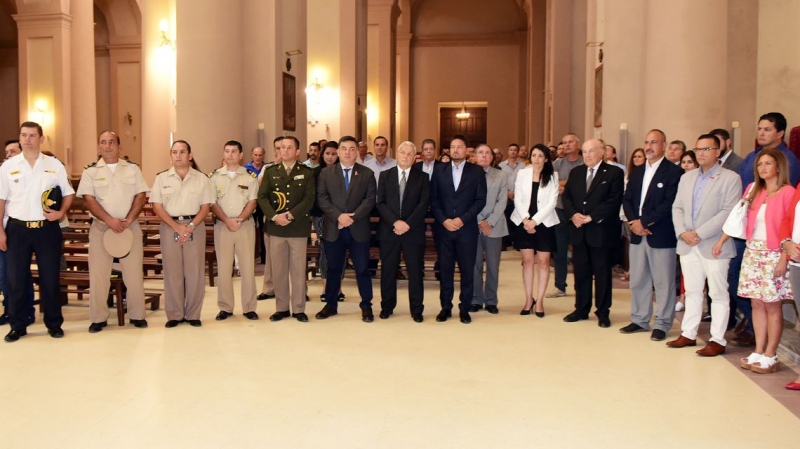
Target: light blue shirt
[
  {"x": 457, "y": 171},
  {"x": 378, "y": 167},
  {"x": 699, "y": 185}
]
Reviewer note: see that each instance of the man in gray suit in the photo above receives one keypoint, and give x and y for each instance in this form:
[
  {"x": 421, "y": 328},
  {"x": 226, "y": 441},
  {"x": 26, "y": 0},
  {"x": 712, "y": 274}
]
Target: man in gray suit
[
  {"x": 346, "y": 195},
  {"x": 727, "y": 157},
  {"x": 492, "y": 226},
  {"x": 705, "y": 198}
]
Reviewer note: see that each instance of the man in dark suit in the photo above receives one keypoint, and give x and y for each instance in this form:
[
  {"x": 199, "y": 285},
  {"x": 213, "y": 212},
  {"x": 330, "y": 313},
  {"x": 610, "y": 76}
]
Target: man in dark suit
[
  {"x": 403, "y": 196},
  {"x": 458, "y": 193},
  {"x": 648, "y": 207},
  {"x": 429, "y": 161},
  {"x": 346, "y": 195},
  {"x": 592, "y": 197}
]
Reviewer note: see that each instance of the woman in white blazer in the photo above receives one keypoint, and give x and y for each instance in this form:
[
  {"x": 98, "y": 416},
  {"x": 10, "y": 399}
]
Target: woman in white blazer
[{"x": 535, "y": 197}]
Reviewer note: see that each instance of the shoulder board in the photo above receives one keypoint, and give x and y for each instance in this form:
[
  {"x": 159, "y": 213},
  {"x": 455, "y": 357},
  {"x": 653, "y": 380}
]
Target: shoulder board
[
  {"x": 131, "y": 162},
  {"x": 162, "y": 171},
  {"x": 90, "y": 165},
  {"x": 210, "y": 174},
  {"x": 252, "y": 173}
]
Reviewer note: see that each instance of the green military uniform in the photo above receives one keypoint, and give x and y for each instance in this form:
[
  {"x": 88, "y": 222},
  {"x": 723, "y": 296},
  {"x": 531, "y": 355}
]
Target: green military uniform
[{"x": 292, "y": 192}]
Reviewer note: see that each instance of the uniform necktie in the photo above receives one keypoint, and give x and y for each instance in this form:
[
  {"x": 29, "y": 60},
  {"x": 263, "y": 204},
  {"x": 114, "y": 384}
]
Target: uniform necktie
[
  {"x": 402, "y": 189},
  {"x": 591, "y": 178},
  {"x": 347, "y": 179}
]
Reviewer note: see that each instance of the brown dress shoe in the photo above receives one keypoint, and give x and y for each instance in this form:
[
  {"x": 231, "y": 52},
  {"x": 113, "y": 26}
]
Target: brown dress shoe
[
  {"x": 681, "y": 342},
  {"x": 712, "y": 349},
  {"x": 744, "y": 339}
]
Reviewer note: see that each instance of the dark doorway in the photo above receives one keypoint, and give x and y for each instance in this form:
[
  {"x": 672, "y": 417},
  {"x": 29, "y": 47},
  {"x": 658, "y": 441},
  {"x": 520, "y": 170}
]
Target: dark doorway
[{"x": 474, "y": 127}]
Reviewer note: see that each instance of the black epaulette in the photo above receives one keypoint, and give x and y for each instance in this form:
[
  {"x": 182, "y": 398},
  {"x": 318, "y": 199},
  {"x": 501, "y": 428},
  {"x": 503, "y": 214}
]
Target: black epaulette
[
  {"x": 90, "y": 165},
  {"x": 131, "y": 162},
  {"x": 162, "y": 171},
  {"x": 252, "y": 173}
]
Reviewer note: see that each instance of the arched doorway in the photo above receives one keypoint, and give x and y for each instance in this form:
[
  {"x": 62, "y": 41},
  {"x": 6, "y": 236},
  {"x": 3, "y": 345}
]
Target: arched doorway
[{"x": 9, "y": 72}]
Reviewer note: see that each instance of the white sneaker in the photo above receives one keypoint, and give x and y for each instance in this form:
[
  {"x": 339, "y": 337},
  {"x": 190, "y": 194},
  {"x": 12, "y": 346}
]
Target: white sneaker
[
  {"x": 679, "y": 307},
  {"x": 556, "y": 294}
]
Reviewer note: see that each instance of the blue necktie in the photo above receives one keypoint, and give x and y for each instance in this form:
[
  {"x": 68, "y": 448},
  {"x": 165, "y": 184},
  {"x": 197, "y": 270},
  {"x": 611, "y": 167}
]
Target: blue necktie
[{"x": 347, "y": 179}]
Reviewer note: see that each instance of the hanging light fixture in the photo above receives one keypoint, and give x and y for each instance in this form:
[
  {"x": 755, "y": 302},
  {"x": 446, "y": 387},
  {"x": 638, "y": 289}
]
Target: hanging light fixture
[{"x": 463, "y": 115}]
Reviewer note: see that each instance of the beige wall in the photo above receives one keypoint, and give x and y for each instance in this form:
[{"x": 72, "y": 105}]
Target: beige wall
[
  {"x": 478, "y": 74},
  {"x": 9, "y": 90},
  {"x": 324, "y": 65}
]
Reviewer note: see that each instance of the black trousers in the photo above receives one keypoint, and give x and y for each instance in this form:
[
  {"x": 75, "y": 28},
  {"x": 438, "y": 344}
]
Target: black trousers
[
  {"x": 589, "y": 261},
  {"x": 413, "y": 252},
  {"x": 258, "y": 216},
  {"x": 22, "y": 244},
  {"x": 459, "y": 247}
]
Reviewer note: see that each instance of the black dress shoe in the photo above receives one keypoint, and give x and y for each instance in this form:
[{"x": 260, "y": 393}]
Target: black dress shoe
[
  {"x": 326, "y": 312},
  {"x": 13, "y": 336},
  {"x": 603, "y": 321},
  {"x": 263, "y": 296},
  {"x": 417, "y": 317},
  {"x": 301, "y": 317},
  {"x": 277, "y": 316},
  {"x": 31, "y": 320},
  {"x": 4, "y": 319},
  {"x": 492, "y": 309},
  {"x": 526, "y": 312},
  {"x": 223, "y": 315},
  {"x": 539, "y": 314},
  {"x": 251, "y": 315},
  {"x": 632, "y": 329},
  {"x": 56, "y": 332},
  {"x": 172, "y": 323},
  {"x": 443, "y": 316},
  {"x": 658, "y": 335},
  {"x": 575, "y": 316},
  {"x": 341, "y": 297},
  {"x": 475, "y": 308},
  {"x": 385, "y": 314},
  {"x": 465, "y": 318},
  {"x": 367, "y": 316},
  {"x": 194, "y": 323},
  {"x": 141, "y": 324},
  {"x": 97, "y": 327}
]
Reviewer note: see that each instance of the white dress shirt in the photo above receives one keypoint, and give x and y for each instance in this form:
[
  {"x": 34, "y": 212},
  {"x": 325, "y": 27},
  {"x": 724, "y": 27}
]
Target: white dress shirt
[
  {"x": 21, "y": 185},
  {"x": 649, "y": 172}
]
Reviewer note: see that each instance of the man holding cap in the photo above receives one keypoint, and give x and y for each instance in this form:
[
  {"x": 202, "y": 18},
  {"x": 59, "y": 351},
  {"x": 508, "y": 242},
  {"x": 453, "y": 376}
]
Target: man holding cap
[
  {"x": 32, "y": 228},
  {"x": 114, "y": 190}
]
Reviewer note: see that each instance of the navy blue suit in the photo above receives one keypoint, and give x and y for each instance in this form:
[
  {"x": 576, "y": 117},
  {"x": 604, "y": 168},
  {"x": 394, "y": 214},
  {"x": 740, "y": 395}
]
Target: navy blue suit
[
  {"x": 459, "y": 246},
  {"x": 657, "y": 208}
]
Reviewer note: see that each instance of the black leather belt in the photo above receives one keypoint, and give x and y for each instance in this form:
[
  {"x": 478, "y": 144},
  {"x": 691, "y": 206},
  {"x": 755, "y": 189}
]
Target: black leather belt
[
  {"x": 31, "y": 224},
  {"x": 184, "y": 217}
]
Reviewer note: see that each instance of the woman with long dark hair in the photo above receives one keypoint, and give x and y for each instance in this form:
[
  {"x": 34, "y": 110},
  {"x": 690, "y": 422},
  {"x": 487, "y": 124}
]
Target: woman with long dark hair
[{"x": 535, "y": 197}]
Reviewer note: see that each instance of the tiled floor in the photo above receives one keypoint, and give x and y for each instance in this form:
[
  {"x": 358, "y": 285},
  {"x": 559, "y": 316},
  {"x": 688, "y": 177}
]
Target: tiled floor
[{"x": 505, "y": 381}]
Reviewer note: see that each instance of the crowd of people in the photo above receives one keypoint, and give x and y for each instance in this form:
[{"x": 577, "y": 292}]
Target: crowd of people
[{"x": 666, "y": 212}]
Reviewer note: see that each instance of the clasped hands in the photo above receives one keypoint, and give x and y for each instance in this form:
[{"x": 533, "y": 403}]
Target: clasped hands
[
  {"x": 579, "y": 220},
  {"x": 345, "y": 220},
  {"x": 184, "y": 232},
  {"x": 453, "y": 224},
  {"x": 638, "y": 229}
]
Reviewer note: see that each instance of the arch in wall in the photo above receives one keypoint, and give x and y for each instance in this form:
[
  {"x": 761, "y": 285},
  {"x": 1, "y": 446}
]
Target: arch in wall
[{"x": 9, "y": 71}]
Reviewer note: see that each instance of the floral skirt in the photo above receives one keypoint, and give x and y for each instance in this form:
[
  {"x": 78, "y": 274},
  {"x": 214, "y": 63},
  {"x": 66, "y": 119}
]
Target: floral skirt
[{"x": 757, "y": 279}]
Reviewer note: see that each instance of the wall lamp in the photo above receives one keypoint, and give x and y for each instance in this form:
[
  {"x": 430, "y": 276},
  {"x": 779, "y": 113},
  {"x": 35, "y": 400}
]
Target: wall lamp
[
  {"x": 163, "y": 26},
  {"x": 41, "y": 108}
]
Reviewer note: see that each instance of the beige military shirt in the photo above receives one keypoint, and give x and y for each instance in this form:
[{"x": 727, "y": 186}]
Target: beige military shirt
[
  {"x": 233, "y": 194},
  {"x": 114, "y": 190},
  {"x": 182, "y": 196}
]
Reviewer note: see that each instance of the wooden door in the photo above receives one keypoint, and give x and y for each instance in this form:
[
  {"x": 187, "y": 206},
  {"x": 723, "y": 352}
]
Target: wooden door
[{"x": 474, "y": 127}]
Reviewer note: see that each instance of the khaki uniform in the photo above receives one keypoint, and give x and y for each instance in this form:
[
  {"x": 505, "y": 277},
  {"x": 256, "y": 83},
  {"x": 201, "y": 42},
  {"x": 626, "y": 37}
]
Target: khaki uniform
[
  {"x": 184, "y": 274},
  {"x": 115, "y": 192},
  {"x": 232, "y": 196},
  {"x": 294, "y": 192}
]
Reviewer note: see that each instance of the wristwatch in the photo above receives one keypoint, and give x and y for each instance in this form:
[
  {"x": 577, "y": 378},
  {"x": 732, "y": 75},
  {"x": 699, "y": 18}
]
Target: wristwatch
[
  {"x": 784, "y": 241},
  {"x": 191, "y": 225}
]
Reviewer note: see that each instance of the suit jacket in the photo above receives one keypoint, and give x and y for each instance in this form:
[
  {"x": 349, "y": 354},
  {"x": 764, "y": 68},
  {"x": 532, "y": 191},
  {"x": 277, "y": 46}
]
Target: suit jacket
[
  {"x": 415, "y": 203},
  {"x": 436, "y": 163},
  {"x": 464, "y": 203},
  {"x": 281, "y": 192},
  {"x": 496, "y": 200},
  {"x": 601, "y": 202},
  {"x": 656, "y": 213},
  {"x": 720, "y": 194},
  {"x": 546, "y": 199},
  {"x": 733, "y": 162},
  {"x": 334, "y": 200}
]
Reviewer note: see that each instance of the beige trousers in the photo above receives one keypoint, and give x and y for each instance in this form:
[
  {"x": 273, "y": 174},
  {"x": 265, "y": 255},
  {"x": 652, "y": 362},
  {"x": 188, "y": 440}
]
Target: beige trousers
[
  {"x": 184, "y": 273},
  {"x": 100, "y": 274},
  {"x": 241, "y": 243},
  {"x": 289, "y": 254},
  {"x": 269, "y": 287}
]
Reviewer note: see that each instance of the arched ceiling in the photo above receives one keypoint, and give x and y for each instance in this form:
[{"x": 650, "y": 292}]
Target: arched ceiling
[
  {"x": 462, "y": 17},
  {"x": 123, "y": 19}
]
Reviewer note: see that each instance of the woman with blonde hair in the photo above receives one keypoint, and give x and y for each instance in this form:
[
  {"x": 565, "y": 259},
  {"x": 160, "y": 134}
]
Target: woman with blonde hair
[{"x": 763, "y": 277}]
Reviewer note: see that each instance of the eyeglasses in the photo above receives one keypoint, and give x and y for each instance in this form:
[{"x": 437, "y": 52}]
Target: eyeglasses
[{"x": 704, "y": 149}]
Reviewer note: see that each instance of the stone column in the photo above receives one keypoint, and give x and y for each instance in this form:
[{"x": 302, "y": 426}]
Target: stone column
[
  {"x": 382, "y": 14},
  {"x": 84, "y": 111}
]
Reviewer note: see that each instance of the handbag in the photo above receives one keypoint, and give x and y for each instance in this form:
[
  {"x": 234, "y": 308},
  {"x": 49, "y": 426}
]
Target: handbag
[{"x": 736, "y": 223}]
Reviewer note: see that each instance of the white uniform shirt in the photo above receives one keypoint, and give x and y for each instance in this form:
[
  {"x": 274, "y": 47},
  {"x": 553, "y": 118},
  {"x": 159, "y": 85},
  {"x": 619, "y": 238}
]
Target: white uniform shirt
[{"x": 22, "y": 185}]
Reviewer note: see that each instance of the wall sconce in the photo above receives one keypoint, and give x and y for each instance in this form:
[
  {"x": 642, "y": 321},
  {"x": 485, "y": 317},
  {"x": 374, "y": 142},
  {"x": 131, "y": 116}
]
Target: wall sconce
[
  {"x": 41, "y": 108},
  {"x": 314, "y": 89},
  {"x": 163, "y": 26},
  {"x": 463, "y": 115}
]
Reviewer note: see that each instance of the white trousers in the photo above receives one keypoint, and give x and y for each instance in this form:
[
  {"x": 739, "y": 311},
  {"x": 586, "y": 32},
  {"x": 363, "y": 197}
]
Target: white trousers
[{"x": 696, "y": 269}]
